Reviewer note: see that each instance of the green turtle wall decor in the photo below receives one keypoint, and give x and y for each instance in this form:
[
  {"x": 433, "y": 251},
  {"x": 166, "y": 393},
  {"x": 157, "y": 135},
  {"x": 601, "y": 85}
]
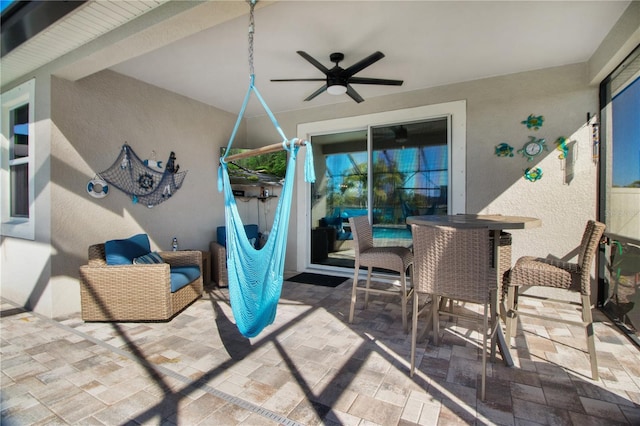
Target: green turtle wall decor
[{"x": 533, "y": 122}]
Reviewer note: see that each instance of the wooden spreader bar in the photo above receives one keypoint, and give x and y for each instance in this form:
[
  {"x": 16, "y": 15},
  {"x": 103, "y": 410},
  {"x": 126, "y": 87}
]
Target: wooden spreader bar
[{"x": 262, "y": 150}]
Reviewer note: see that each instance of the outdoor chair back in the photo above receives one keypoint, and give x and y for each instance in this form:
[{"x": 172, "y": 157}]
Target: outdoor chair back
[
  {"x": 396, "y": 259},
  {"x": 453, "y": 263},
  {"x": 532, "y": 271}
]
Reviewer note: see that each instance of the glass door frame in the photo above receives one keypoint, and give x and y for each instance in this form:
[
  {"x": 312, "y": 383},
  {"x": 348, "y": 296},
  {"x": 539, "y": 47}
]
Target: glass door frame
[
  {"x": 454, "y": 111},
  {"x": 605, "y": 179}
]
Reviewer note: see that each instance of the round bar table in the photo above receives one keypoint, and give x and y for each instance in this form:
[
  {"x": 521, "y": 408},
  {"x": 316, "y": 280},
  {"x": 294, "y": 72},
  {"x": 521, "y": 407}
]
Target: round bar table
[{"x": 496, "y": 224}]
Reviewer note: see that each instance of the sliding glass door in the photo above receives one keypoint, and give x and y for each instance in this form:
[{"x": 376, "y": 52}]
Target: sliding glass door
[
  {"x": 386, "y": 165},
  {"x": 620, "y": 195},
  {"x": 340, "y": 191},
  {"x": 386, "y": 172}
]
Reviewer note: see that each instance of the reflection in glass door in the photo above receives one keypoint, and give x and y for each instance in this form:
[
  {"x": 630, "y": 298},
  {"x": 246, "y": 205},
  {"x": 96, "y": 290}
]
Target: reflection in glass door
[
  {"x": 402, "y": 171},
  {"x": 620, "y": 206}
]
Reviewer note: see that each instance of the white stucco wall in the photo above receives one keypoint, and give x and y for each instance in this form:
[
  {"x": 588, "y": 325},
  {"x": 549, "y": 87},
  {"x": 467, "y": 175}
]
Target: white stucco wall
[{"x": 92, "y": 119}]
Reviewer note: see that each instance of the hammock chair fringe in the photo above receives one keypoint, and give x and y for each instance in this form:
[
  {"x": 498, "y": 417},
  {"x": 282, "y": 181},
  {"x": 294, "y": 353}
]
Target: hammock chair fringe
[{"x": 262, "y": 150}]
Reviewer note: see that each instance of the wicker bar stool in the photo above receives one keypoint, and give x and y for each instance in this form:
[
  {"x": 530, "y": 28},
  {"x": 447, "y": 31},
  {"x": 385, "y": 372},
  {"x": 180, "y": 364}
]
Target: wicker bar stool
[
  {"x": 453, "y": 263},
  {"x": 397, "y": 259},
  {"x": 532, "y": 271}
]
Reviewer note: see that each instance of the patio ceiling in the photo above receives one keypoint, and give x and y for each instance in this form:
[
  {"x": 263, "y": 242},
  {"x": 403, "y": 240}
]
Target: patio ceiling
[
  {"x": 426, "y": 44},
  {"x": 41, "y": 33}
]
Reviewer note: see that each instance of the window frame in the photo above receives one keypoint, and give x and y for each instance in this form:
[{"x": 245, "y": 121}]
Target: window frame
[
  {"x": 622, "y": 77},
  {"x": 17, "y": 227}
]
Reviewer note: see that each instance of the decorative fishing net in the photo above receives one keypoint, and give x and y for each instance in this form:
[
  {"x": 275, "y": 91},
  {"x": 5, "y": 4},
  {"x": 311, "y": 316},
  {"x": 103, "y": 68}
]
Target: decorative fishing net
[{"x": 145, "y": 185}]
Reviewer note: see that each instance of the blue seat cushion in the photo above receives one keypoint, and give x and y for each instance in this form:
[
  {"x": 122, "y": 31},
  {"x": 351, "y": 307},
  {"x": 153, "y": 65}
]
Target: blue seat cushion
[
  {"x": 122, "y": 252},
  {"x": 251, "y": 230},
  {"x": 183, "y": 275}
]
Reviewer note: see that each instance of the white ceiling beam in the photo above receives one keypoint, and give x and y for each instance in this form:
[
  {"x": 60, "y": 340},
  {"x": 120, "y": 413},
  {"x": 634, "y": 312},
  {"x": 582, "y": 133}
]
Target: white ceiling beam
[{"x": 162, "y": 26}]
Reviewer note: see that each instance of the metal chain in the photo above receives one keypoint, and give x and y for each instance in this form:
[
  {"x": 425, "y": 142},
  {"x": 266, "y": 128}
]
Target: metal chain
[{"x": 252, "y": 4}]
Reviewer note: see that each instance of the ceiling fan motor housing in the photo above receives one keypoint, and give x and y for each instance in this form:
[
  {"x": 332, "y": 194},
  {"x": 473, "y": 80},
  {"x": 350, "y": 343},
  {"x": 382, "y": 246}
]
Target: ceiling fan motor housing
[{"x": 336, "y": 57}]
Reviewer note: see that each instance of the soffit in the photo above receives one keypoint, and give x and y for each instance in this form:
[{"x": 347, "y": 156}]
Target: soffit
[{"x": 86, "y": 23}]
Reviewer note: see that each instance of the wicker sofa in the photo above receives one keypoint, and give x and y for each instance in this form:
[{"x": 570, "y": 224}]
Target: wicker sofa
[{"x": 135, "y": 292}]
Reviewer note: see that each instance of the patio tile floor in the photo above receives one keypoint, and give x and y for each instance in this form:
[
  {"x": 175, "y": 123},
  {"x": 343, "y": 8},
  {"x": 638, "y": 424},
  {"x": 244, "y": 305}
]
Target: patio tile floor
[{"x": 310, "y": 367}]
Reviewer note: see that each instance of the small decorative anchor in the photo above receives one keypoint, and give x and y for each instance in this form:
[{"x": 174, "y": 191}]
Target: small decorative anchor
[{"x": 172, "y": 167}]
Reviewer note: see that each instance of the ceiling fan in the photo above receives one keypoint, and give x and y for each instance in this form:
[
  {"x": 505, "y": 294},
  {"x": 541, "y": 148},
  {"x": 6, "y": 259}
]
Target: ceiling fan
[{"x": 339, "y": 80}]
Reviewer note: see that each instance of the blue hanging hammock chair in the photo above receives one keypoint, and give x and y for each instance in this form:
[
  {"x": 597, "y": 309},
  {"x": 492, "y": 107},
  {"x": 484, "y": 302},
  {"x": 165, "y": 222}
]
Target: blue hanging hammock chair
[{"x": 256, "y": 275}]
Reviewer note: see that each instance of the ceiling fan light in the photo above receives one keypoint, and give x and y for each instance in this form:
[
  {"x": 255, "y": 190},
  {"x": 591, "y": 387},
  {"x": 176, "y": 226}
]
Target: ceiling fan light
[{"x": 337, "y": 89}]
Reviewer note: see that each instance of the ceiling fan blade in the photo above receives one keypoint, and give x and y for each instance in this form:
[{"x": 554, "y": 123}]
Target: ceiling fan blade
[
  {"x": 359, "y": 66},
  {"x": 362, "y": 80},
  {"x": 299, "y": 79},
  {"x": 317, "y": 92},
  {"x": 354, "y": 95},
  {"x": 313, "y": 61}
]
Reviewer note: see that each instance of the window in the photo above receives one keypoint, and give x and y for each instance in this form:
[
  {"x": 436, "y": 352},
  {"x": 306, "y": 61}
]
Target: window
[
  {"x": 17, "y": 161},
  {"x": 410, "y": 173}
]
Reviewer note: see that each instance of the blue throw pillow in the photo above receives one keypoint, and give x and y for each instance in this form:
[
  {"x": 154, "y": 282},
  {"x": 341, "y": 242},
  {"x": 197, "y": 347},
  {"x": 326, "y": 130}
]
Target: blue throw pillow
[
  {"x": 151, "y": 258},
  {"x": 122, "y": 252}
]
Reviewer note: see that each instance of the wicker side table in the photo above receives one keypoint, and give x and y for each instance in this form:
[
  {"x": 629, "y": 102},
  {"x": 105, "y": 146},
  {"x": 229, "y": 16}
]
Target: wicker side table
[{"x": 206, "y": 267}]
